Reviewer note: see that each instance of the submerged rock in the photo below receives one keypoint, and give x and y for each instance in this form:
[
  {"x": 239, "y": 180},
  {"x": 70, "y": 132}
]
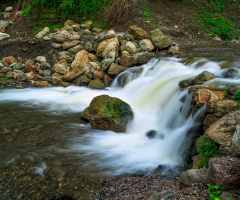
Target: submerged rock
[
  {"x": 108, "y": 113},
  {"x": 203, "y": 77}
]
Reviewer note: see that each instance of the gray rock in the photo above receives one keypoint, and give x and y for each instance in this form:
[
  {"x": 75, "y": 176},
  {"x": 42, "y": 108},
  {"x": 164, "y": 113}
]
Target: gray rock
[
  {"x": 160, "y": 40},
  {"x": 89, "y": 47},
  {"x": 110, "y": 34},
  {"x": 185, "y": 83},
  {"x": 131, "y": 48},
  {"x": 75, "y": 49},
  {"x": 8, "y": 9},
  {"x": 41, "y": 59},
  {"x": 66, "y": 56},
  {"x": 56, "y": 45},
  {"x": 115, "y": 69},
  {"x": 82, "y": 81},
  {"x": 228, "y": 195},
  {"x": 203, "y": 77},
  {"x": 96, "y": 84},
  {"x": 142, "y": 58},
  {"x": 42, "y": 33},
  {"x": 4, "y": 23},
  {"x": 235, "y": 147},
  {"x": 45, "y": 66},
  {"x": 106, "y": 63},
  {"x": 61, "y": 69}
]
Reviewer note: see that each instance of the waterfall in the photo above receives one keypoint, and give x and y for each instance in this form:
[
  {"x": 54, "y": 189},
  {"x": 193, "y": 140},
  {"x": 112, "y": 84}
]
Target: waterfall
[{"x": 153, "y": 93}]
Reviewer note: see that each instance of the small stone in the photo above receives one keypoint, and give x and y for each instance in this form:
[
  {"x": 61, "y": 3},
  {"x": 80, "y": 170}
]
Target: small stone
[
  {"x": 111, "y": 34},
  {"x": 8, "y": 9},
  {"x": 40, "y": 59}
]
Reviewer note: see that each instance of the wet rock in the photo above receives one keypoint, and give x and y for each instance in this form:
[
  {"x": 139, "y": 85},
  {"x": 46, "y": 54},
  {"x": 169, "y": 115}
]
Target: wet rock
[
  {"x": 146, "y": 45},
  {"x": 142, "y": 58},
  {"x": 185, "y": 83},
  {"x": 231, "y": 73},
  {"x": 235, "y": 147},
  {"x": 223, "y": 130},
  {"x": 58, "y": 82},
  {"x": 115, "y": 69},
  {"x": 68, "y": 45},
  {"x": 137, "y": 32},
  {"x": 225, "y": 172},
  {"x": 4, "y": 36},
  {"x": 41, "y": 83},
  {"x": 131, "y": 48},
  {"x": 96, "y": 84},
  {"x": 208, "y": 121},
  {"x": 160, "y": 40},
  {"x": 42, "y": 33},
  {"x": 203, "y": 77},
  {"x": 125, "y": 61},
  {"x": 110, "y": 34},
  {"x": 191, "y": 176},
  {"x": 108, "y": 113},
  {"x": 151, "y": 134}
]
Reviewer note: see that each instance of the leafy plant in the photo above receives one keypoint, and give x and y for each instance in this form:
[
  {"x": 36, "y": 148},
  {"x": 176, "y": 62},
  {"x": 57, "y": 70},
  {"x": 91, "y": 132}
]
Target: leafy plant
[
  {"x": 146, "y": 12},
  {"x": 26, "y": 10},
  {"x": 214, "y": 192},
  {"x": 207, "y": 149},
  {"x": 5, "y": 78},
  {"x": 237, "y": 99}
]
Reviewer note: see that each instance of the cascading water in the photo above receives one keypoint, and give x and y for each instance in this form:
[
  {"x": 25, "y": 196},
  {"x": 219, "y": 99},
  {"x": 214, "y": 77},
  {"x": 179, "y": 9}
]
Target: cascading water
[{"x": 158, "y": 133}]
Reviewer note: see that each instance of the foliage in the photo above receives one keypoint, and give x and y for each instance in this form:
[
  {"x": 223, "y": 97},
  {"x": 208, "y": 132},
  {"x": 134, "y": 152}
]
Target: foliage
[
  {"x": 237, "y": 98},
  {"x": 5, "y": 78},
  {"x": 207, "y": 149},
  {"x": 214, "y": 192},
  {"x": 26, "y": 10}
]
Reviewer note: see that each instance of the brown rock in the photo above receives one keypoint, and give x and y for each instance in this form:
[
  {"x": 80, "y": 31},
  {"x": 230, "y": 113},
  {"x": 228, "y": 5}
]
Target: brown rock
[
  {"x": 96, "y": 84},
  {"x": 98, "y": 74},
  {"x": 81, "y": 59},
  {"x": 82, "y": 81},
  {"x": 102, "y": 46},
  {"x": 126, "y": 61},
  {"x": 115, "y": 69},
  {"x": 7, "y": 61},
  {"x": 137, "y": 32},
  {"x": 61, "y": 68},
  {"x": 69, "y": 23},
  {"x": 223, "y": 129},
  {"x": 92, "y": 57},
  {"x": 41, "y": 83},
  {"x": 71, "y": 75},
  {"x": 221, "y": 107},
  {"x": 107, "y": 80},
  {"x": 209, "y": 120},
  {"x": 2, "y": 29},
  {"x": 58, "y": 82},
  {"x": 225, "y": 172},
  {"x": 68, "y": 45},
  {"x": 93, "y": 66}
]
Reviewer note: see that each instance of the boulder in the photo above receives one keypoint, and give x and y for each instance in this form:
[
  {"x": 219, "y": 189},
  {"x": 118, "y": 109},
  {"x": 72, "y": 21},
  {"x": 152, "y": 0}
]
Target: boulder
[
  {"x": 58, "y": 82},
  {"x": 137, "y": 32},
  {"x": 96, "y": 84},
  {"x": 75, "y": 49},
  {"x": 64, "y": 36},
  {"x": 235, "y": 147},
  {"x": 110, "y": 34},
  {"x": 220, "y": 108},
  {"x": 142, "y": 58},
  {"x": 125, "y": 61},
  {"x": 231, "y": 73},
  {"x": 106, "y": 63},
  {"x": 209, "y": 120},
  {"x": 115, "y": 69},
  {"x": 203, "y": 77},
  {"x": 222, "y": 131},
  {"x": 185, "y": 83},
  {"x": 68, "y": 45},
  {"x": 107, "y": 80},
  {"x": 41, "y": 83},
  {"x": 108, "y": 113},
  {"x": 81, "y": 59},
  {"x": 225, "y": 172},
  {"x": 102, "y": 46},
  {"x": 7, "y": 61},
  {"x": 110, "y": 51},
  {"x": 71, "y": 75},
  {"x": 146, "y": 45},
  {"x": 89, "y": 47},
  {"x": 192, "y": 176},
  {"x": 4, "y": 36},
  {"x": 160, "y": 40},
  {"x": 61, "y": 68},
  {"x": 42, "y": 33},
  {"x": 4, "y": 23},
  {"x": 82, "y": 81},
  {"x": 131, "y": 48}
]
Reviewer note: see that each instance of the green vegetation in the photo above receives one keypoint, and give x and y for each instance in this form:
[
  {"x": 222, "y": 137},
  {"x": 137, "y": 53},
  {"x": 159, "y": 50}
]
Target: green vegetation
[
  {"x": 214, "y": 192},
  {"x": 5, "y": 78},
  {"x": 207, "y": 149},
  {"x": 26, "y": 10},
  {"x": 237, "y": 99}
]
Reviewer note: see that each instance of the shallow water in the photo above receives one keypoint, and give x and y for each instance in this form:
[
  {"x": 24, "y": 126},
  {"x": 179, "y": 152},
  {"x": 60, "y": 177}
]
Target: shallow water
[{"x": 47, "y": 151}]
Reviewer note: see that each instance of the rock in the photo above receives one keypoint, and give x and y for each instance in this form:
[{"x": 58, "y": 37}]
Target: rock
[
  {"x": 115, "y": 69},
  {"x": 106, "y": 63},
  {"x": 68, "y": 28},
  {"x": 137, "y": 32},
  {"x": 8, "y": 9},
  {"x": 107, "y": 80},
  {"x": 65, "y": 55},
  {"x": 64, "y": 36},
  {"x": 125, "y": 53},
  {"x": 92, "y": 66},
  {"x": 203, "y": 77},
  {"x": 165, "y": 194},
  {"x": 41, "y": 59},
  {"x": 185, "y": 83},
  {"x": 129, "y": 37},
  {"x": 151, "y": 134},
  {"x": 96, "y": 30},
  {"x": 225, "y": 172},
  {"x": 19, "y": 13},
  {"x": 131, "y": 48},
  {"x": 203, "y": 96},
  {"x": 47, "y": 38},
  {"x": 235, "y": 147},
  {"x": 58, "y": 82},
  {"x": 125, "y": 61},
  {"x": 146, "y": 45},
  {"x": 61, "y": 69},
  {"x": 4, "y": 36},
  {"x": 208, "y": 121},
  {"x": 71, "y": 75},
  {"x": 110, "y": 34},
  {"x": 82, "y": 81},
  {"x": 6, "y": 15},
  {"x": 221, "y": 107},
  {"x": 142, "y": 58},
  {"x": 81, "y": 59},
  {"x": 7, "y": 61},
  {"x": 76, "y": 27},
  {"x": 87, "y": 32},
  {"x": 191, "y": 176},
  {"x": 6, "y": 70},
  {"x": 160, "y": 40},
  {"x": 89, "y": 47},
  {"x": 96, "y": 84},
  {"x": 98, "y": 74},
  {"x": 101, "y": 37},
  {"x": 228, "y": 195},
  {"x": 2, "y": 29},
  {"x": 68, "y": 45},
  {"x": 108, "y": 113},
  {"x": 223, "y": 129},
  {"x": 69, "y": 23},
  {"x": 102, "y": 46},
  {"x": 75, "y": 49},
  {"x": 217, "y": 39},
  {"x": 42, "y": 33},
  {"x": 56, "y": 45},
  {"x": 41, "y": 83},
  {"x": 4, "y": 23},
  {"x": 231, "y": 73},
  {"x": 110, "y": 51}
]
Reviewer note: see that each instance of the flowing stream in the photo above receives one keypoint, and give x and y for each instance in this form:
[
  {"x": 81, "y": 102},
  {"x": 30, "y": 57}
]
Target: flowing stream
[{"x": 42, "y": 135}]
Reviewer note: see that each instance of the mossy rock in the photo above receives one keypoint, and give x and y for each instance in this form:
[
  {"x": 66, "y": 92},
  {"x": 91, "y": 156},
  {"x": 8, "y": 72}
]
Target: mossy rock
[{"x": 108, "y": 113}]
